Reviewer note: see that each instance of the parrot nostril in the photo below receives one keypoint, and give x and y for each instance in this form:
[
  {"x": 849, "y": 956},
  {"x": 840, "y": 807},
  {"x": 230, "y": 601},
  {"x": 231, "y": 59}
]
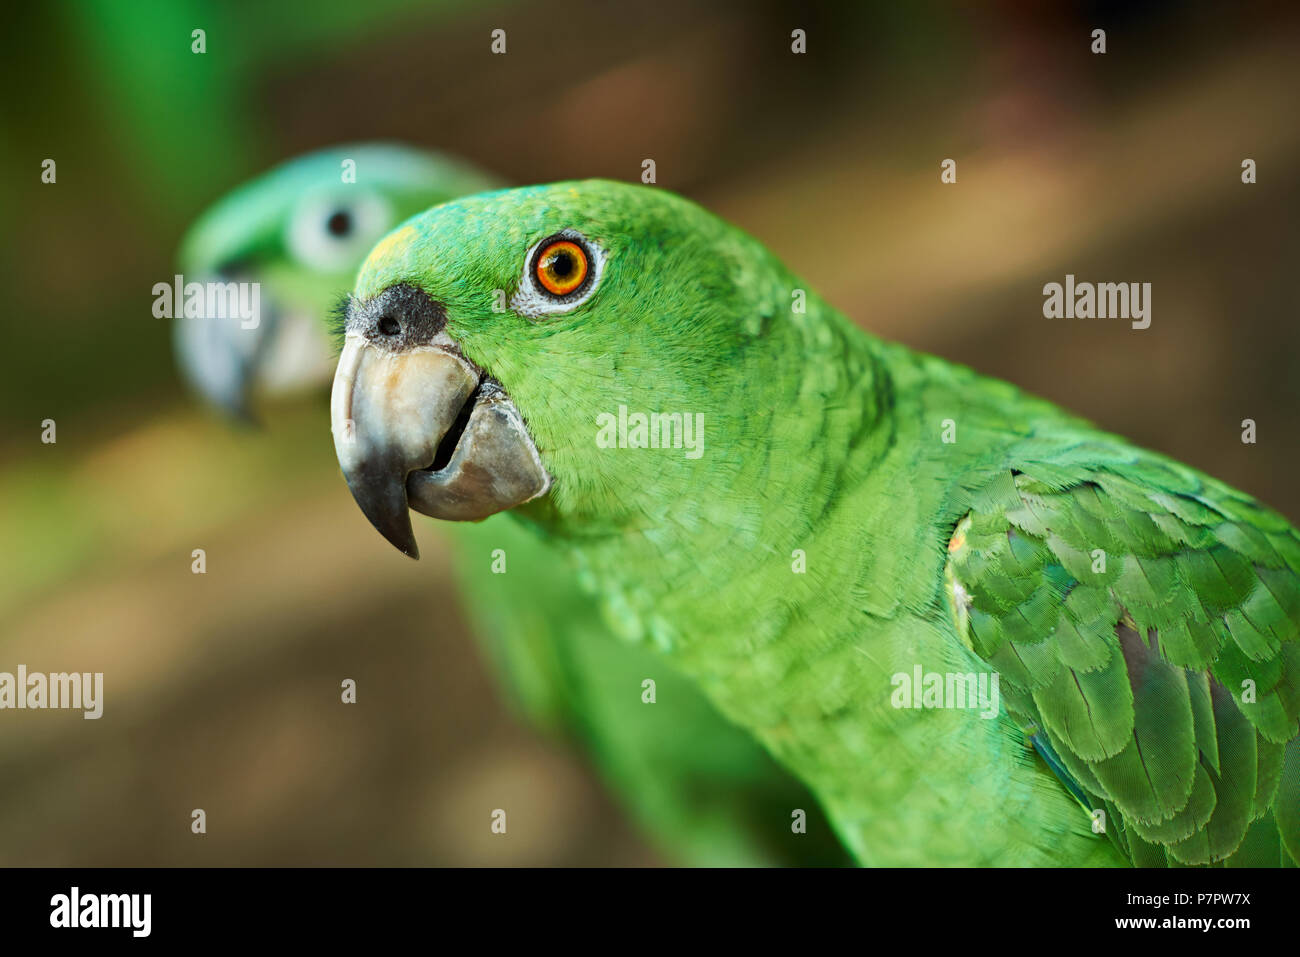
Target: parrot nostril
[{"x": 401, "y": 317}]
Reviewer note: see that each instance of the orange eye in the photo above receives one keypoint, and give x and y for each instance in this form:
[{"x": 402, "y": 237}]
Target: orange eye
[{"x": 561, "y": 267}]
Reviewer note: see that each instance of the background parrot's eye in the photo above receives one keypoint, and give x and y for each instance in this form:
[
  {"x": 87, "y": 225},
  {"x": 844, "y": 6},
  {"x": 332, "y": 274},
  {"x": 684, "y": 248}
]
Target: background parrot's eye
[
  {"x": 340, "y": 223},
  {"x": 560, "y": 273},
  {"x": 561, "y": 267},
  {"x": 331, "y": 232}
]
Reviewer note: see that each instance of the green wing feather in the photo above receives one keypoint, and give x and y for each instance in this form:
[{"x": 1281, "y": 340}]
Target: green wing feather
[{"x": 1147, "y": 621}]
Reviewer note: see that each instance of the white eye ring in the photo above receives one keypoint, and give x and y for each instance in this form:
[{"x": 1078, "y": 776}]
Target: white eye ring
[
  {"x": 308, "y": 235},
  {"x": 532, "y": 301}
]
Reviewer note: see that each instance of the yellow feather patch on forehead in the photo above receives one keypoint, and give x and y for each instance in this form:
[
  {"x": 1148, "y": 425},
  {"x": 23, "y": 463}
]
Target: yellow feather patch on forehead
[{"x": 388, "y": 248}]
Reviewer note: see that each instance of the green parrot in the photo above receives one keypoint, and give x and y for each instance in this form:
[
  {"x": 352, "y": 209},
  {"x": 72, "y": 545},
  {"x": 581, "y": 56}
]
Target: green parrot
[
  {"x": 843, "y": 544},
  {"x": 299, "y": 230},
  {"x": 704, "y": 790}
]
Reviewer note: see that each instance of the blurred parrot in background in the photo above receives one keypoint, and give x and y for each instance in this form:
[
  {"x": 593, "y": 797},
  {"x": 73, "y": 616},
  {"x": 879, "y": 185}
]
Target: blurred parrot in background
[
  {"x": 812, "y": 524},
  {"x": 705, "y": 790},
  {"x": 300, "y": 231}
]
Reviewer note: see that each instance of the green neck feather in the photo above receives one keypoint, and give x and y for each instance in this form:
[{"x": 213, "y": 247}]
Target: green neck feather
[{"x": 834, "y": 483}]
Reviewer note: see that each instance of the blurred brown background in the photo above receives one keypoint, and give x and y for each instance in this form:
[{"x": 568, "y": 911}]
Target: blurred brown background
[{"x": 222, "y": 690}]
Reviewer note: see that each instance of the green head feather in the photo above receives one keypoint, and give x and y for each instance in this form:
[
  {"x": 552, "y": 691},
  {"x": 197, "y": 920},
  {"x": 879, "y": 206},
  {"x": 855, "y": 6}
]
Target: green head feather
[{"x": 684, "y": 316}]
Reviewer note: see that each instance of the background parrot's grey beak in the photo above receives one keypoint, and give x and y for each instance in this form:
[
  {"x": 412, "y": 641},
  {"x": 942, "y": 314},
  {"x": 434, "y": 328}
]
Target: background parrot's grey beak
[
  {"x": 226, "y": 360},
  {"x": 219, "y": 359},
  {"x": 418, "y": 426}
]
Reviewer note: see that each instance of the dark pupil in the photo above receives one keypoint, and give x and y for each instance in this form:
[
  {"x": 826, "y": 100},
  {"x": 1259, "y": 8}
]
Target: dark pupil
[
  {"x": 562, "y": 264},
  {"x": 339, "y": 224}
]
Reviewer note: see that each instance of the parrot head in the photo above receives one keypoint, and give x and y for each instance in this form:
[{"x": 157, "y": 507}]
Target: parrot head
[
  {"x": 491, "y": 339},
  {"x": 300, "y": 231}
]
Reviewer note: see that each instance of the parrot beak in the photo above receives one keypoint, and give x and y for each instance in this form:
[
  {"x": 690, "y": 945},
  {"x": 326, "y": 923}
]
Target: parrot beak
[
  {"x": 418, "y": 426},
  {"x": 225, "y": 360},
  {"x": 219, "y": 359}
]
